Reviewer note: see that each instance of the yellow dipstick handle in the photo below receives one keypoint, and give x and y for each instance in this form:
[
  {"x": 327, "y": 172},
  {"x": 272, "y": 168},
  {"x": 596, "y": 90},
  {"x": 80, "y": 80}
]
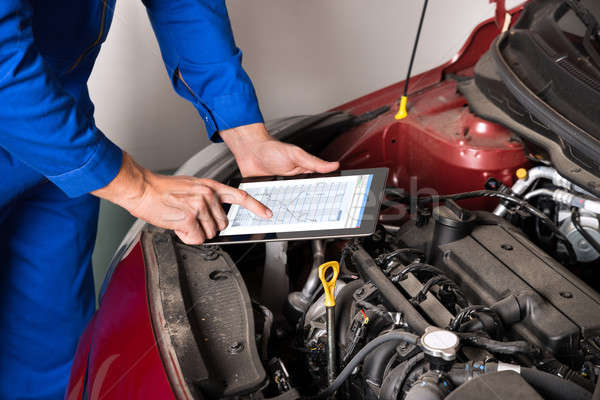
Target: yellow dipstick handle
[
  {"x": 402, "y": 113},
  {"x": 329, "y": 285}
]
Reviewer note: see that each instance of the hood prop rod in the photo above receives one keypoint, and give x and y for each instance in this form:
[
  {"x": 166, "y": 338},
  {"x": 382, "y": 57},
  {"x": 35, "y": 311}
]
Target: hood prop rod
[{"x": 402, "y": 112}]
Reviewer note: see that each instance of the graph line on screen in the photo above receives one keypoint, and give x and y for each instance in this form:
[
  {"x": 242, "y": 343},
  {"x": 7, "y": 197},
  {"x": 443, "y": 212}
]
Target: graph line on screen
[{"x": 302, "y": 203}]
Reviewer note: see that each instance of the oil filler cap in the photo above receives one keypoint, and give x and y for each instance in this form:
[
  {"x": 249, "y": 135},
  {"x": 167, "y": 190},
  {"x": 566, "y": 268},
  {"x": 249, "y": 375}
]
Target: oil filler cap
[{"x": 440, "y": 343}]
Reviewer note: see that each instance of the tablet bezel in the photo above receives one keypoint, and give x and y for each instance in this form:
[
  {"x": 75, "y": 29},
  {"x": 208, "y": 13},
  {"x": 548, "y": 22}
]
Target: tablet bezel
[{"x": 367, "y": 225}]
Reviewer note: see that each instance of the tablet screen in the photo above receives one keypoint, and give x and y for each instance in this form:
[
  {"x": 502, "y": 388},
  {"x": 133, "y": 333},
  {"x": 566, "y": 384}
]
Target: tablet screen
[
  {"x": 303, "y": 204},
  {"x": 312, "y": 206}
]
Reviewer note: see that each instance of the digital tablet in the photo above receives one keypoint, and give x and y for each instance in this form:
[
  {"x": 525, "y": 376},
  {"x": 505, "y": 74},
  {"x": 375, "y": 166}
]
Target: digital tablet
[{"x": 312, "y": 206}]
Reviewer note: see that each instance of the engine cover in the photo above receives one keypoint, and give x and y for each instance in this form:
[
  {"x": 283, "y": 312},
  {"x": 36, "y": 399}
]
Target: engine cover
[
  {"x": 505, "y": 385},
  {"x": 494, "y": 262}
]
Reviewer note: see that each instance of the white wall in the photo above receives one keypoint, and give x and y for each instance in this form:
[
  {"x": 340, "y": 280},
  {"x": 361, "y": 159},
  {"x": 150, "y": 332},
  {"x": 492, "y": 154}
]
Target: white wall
[{"x": 304, "y": 57}]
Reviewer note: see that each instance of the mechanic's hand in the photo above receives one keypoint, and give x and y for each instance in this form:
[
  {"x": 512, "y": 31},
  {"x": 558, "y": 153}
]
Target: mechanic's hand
[
  {"x": 259, "y": 154},
  {"x": 189, "y": 206}
]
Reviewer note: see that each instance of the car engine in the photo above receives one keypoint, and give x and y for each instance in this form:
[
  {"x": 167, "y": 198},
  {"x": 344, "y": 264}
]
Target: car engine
[{"x": 441, "y": 302}]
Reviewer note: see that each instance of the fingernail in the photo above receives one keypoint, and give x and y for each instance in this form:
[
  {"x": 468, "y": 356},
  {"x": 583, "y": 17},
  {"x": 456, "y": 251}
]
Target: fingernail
[{"x": 269, "y": 213}]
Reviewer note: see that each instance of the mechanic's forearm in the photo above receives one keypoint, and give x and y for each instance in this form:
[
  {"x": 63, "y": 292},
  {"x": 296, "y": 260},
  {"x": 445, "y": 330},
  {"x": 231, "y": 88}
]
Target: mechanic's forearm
[{"x": 128, "y": 187}]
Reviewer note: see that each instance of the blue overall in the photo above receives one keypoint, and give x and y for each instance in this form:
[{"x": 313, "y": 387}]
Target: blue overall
[{"x": 52, "y": 155}]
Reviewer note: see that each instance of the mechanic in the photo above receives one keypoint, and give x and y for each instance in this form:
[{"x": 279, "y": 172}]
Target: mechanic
[{"x": 56, "y": 164}]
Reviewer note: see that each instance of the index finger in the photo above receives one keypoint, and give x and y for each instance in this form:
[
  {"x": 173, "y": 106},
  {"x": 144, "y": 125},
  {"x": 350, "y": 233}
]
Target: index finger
[{"x": 230, "y": 195}]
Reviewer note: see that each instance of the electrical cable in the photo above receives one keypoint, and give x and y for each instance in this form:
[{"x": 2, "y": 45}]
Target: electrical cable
[
  {"x": 468, "y": 312},
  {"x": 498, "y": 347},
  {"x": 439, "y": 277},
  {"x": 358, "y": 335},
  {"x": 415, "y": 267},
  {"x": 436, "y": 280},
  {"x": 387, "y": 257}
]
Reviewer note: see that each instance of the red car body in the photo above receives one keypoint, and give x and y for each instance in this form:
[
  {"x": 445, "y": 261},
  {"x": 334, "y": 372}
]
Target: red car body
[{"x": 441, "y": 143}]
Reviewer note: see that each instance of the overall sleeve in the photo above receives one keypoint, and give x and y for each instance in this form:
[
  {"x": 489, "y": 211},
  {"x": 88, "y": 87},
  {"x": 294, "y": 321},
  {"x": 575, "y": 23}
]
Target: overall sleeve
[
  {"x": 39, "y": 121},
  {"x": 203, "y": 61}
]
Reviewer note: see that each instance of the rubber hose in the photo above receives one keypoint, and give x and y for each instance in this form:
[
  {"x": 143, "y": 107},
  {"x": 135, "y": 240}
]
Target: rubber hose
[
  {"x": 393, "y": 382},
  {"x": 553, "y": 387},
  {"x": 397, "y": 336},
  {"x": 376, "y": 362}
]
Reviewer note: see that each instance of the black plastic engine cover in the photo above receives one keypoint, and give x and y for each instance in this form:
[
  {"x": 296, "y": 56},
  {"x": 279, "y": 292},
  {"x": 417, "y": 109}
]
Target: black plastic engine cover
[
  {"x": 496, "y": 261},
  {"x": 505, "y": 385}
]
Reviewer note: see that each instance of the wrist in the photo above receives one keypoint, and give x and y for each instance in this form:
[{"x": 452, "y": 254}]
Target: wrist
[
  {"x": 240, "y": 139},
  {"x": 128, "y": 187}
]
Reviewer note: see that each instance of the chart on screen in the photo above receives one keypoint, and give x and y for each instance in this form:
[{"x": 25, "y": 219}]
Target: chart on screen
[{"x": 303, "y": 204}]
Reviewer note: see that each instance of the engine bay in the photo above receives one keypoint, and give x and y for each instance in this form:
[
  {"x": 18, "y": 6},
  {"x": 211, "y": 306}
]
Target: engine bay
[
  {"x": 480, "y": 279},
  {"x": 471, "y": 282}
]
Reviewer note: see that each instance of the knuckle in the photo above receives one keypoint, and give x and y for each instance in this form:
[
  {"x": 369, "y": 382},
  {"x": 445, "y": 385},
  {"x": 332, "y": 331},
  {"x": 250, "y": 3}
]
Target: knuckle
[
  {"x": 297, "y": 151},
  {"x": 207, "y": 221},
  {"x": 204, "y": 190},
  {"x": 205, "y": 181},
  {"x": 200, "y": 206},
  {"x": 204, "y": 218},
  {"x": 228, "y": 197},
  {"x": 222, "y": 219},
  {"x": 189, "y": 222},
  {"x": 244, "y": 196}
]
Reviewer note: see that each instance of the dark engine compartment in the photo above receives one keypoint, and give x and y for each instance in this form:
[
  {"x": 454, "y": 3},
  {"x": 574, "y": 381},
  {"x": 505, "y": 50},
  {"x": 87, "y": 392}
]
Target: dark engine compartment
[{"x": 516, "y": 311}]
